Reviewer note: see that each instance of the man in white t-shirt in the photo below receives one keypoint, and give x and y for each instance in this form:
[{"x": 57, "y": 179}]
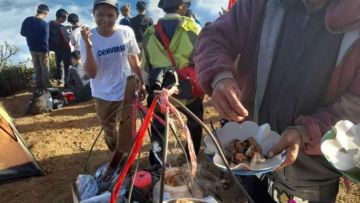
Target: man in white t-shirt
[{"x": 109, "y": 53}]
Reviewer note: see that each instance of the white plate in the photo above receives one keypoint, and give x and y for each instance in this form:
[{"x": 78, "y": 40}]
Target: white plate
[
  {"x": 341, "y": 146},
  {"x": 262, "y": 134}
]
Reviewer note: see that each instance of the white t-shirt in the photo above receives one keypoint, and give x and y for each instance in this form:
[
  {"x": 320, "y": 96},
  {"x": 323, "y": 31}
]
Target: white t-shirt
[
  {"x": 111, "y": 56},
  {"x": 75, "y": 37}
]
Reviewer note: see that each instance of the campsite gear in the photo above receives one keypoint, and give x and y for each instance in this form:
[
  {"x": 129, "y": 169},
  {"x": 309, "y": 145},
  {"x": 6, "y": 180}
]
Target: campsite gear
[
  {"x": 46, "y": 99},
  {"x": 140, "y": 136},
  {"x": 187, "y": 76},
  {"x": 136, "y": 148},
  {"x": 16, "y": 161},
  {"x": 262, "y": 134},
  {"x": 181, "y": 188},
  {"x": 69, "y": 96},
  {"x": 217, "y": 145},
  {"x": 40, "y": 102},
  {"x": 143, "y": 180},
  {"x": 341, "y": 147}
]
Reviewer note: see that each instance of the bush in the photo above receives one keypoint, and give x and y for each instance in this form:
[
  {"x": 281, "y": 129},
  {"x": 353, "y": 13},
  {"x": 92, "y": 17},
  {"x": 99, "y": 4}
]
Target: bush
[{"x": 14, "y": 78}]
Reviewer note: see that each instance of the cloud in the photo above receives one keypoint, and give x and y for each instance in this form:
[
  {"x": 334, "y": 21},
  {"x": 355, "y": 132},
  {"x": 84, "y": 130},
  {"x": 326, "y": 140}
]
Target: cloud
[
  {"x": 13, "y": 12},
  {"x": 208, "y": 10},
  {"x": 154, "y": 11}
]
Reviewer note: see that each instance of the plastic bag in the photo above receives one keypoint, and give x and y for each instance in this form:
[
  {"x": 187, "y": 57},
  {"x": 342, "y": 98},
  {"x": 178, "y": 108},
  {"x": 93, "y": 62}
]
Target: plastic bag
[{"x": 87, "y": 186}]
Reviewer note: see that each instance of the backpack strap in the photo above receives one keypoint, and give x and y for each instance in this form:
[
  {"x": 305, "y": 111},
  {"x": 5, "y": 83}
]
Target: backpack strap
[{"x": 165, "y": 41}]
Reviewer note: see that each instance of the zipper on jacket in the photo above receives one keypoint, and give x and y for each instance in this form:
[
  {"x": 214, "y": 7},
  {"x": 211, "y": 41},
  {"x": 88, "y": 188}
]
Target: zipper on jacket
[
  {"x": 307, "y": 17},
  {"x": 257, "y": 62}
]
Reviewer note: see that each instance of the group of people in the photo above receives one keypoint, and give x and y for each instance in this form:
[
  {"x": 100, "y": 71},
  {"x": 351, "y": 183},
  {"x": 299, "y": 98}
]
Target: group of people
[
  {"x": 64, "y": 41},
  {"x": 297, "y": 68}
]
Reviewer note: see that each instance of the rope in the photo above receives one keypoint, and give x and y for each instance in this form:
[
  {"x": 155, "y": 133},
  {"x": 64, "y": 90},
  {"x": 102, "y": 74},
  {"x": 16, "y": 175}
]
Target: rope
[
  {"x": 136, "y": 147},
  {"x": 217, "y": 145}
]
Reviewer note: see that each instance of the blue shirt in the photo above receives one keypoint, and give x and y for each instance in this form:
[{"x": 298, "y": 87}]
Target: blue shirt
[{"x": 36, "y": 32}]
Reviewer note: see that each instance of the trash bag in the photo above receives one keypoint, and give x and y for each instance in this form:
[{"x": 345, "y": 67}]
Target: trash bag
[{"x": 41, "y": 102}]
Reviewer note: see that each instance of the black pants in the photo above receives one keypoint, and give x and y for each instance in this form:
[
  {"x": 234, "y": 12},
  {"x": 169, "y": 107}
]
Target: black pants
[
  {"x": 157, "y": 130},
  {"x": 258, "y": 190},
  {"x": 63, "y": 60}
]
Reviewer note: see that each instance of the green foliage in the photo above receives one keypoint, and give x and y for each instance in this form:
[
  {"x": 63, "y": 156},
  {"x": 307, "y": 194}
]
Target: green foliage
[
  {"x": 14, "y": 78},
  {"x": 52, "y": 64}
]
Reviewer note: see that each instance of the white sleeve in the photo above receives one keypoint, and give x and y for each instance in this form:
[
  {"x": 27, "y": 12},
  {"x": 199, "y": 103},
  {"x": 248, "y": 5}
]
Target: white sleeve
[
  {"x": 82, "y": 50},
  {"x": 72, "y": 38},
  {"x": 133, "y": 46}
]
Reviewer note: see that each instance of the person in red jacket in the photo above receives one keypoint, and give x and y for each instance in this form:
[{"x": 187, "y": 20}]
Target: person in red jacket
[{"x": 299, "y": 71}]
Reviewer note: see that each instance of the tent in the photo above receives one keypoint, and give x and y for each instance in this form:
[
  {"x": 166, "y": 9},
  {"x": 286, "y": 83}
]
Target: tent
[{"x": 16, "y": 161}]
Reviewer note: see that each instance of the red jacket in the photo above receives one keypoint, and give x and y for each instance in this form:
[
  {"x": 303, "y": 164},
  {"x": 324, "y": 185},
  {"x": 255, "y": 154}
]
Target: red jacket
[{"x": 238, "y": 33}]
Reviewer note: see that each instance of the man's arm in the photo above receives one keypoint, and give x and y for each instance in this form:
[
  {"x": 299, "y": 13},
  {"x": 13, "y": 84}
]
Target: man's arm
[
  {"x": 136, "y": 67},
  {"x": 24, "y": 29},
  {"x": 47, "y": 34},
  {"x": 90, "y": 66},
  {"x": 217, "y": 48}
]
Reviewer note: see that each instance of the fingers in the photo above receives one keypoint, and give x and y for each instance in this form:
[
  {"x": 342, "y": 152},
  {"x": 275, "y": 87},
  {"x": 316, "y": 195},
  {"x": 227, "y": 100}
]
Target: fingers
[
  {"x": 86, "y": 33},
  {"x": 290, "y": 158},
  {"x": 235, "y": 103},
  {"x": 278, "y": 148},
  {"x": 228, "y": 111},
  {"x": 226, "y": 99}
]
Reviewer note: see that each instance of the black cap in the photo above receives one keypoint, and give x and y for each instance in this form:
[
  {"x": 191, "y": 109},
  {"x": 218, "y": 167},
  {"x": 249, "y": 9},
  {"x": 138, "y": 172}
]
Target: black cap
[{"x": 43, "y": 8}]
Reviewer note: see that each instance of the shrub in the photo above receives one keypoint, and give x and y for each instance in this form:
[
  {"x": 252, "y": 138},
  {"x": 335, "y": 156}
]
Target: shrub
[{"x": 14, "y": 78}]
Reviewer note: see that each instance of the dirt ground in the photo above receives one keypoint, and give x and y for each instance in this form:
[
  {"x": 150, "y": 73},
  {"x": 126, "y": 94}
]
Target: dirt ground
[{"x": 60, "y": 141}]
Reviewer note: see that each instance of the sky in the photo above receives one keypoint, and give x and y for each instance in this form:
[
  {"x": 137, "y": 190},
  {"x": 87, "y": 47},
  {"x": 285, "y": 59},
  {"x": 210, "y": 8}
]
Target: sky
[{"x": 13, "y": 12}]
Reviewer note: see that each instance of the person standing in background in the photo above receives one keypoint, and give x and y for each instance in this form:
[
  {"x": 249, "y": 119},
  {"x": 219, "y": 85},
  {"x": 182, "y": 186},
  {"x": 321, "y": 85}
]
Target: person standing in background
[
  {"x": 125, "y": 11},
  {"x": 36, "y": 31},
  {"x": 163, "y": 69},
  {"x": 109, "y": 54},
  {"x": 59, "y": 40},
  {"x": 140, "y": 22},
  {"x": 75, "y": 34}
]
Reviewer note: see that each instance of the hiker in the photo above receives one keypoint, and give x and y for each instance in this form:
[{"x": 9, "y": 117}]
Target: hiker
[
  {"x": 190, "y": 14},
  {"x": 162, "y": 71},
  {"x": 59, "y": 40},
  {"x": 292, "y": 74},
  {"x": 36, "y": 31},
  {"x": 75, "y": 34},
  {"x": 125, "y": 12},
  {"x": 78, "y": 81},
  {"x": 140, "y": 22},
  {"x": 109, "y": 55}
]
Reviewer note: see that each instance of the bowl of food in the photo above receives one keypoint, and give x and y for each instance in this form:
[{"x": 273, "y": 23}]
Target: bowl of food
[
  {"x": 246, "y": 148},
  {"x": 341, "y": 147}
]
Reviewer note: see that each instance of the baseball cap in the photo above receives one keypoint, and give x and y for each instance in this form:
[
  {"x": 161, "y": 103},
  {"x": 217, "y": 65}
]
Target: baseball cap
[{"x": 110, "y": 2}]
